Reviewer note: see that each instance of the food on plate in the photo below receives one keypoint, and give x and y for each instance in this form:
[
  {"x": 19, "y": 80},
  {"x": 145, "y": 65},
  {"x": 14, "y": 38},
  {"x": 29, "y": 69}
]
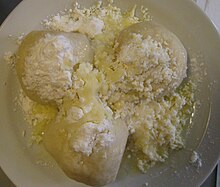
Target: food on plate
[
  {"x": 85, "y": 140},
  {"x": 88, "y": 152},
  {"x": 154, "y": 58},
  {"x": 45, "y": 60},
  {"x": 101, "y": 82}
]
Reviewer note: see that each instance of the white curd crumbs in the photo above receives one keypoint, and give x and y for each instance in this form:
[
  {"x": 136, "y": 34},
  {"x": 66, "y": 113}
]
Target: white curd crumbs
[
  {"x": 195, "y": 159},
  {"x": 76, "y": 22},
  {"x": 146, "y": 52},
  {"x": 150, "y": 70},
  {"x": 90, "y": 137},
  {"x": 9, "y": 57},
  {"x": 48, "y": 67}
]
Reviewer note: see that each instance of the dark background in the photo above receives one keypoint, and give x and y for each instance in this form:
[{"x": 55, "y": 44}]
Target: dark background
[{"x": 6, "y": 6}]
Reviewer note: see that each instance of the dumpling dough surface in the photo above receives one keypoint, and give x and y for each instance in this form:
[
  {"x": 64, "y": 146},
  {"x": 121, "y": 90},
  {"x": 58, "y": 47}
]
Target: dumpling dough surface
[
  {"x": 91, "y": 152},
  {"x": 46, "y": 60},
  {"x": 154, "y": 58}
]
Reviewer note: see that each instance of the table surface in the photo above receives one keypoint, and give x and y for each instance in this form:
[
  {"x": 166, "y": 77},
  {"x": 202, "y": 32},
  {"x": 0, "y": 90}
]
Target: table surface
[{"x": 210, "y": 7}]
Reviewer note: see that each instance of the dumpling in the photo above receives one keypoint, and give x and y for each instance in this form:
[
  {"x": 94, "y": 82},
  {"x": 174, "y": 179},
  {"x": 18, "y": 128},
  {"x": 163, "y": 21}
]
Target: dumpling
[
  {"x": 155, "y": 60},
  {"x": 45, "y": 63},
  {"x": 90, "y": 153}
]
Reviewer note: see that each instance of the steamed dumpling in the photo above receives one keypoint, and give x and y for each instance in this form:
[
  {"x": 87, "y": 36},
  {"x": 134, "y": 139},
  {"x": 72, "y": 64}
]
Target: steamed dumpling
[
  {"x": 91, "y": 152},
  {"x": 46, "y": 60},
  {"x": 154, "y": 58}
]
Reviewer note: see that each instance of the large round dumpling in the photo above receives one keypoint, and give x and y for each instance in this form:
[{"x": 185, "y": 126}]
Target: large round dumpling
[
  {"x": 45, "y": 63},
  {"x": 90, "y": 153},
  {"x": 154, "y": 58}
]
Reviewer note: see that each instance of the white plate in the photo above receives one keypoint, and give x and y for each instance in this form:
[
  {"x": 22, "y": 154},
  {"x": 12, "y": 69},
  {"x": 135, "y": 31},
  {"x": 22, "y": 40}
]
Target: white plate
[{"x": 197, "y": 33}]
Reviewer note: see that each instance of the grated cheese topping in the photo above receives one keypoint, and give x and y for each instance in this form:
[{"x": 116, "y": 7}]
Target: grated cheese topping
[
  {"x": 146, "y": 51},
  {"x": 48, "y": 67},
  {"x": 91, "y": 137},
  {"x": 148, "y": 64},
  {"x": 76, "y": 21}
]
